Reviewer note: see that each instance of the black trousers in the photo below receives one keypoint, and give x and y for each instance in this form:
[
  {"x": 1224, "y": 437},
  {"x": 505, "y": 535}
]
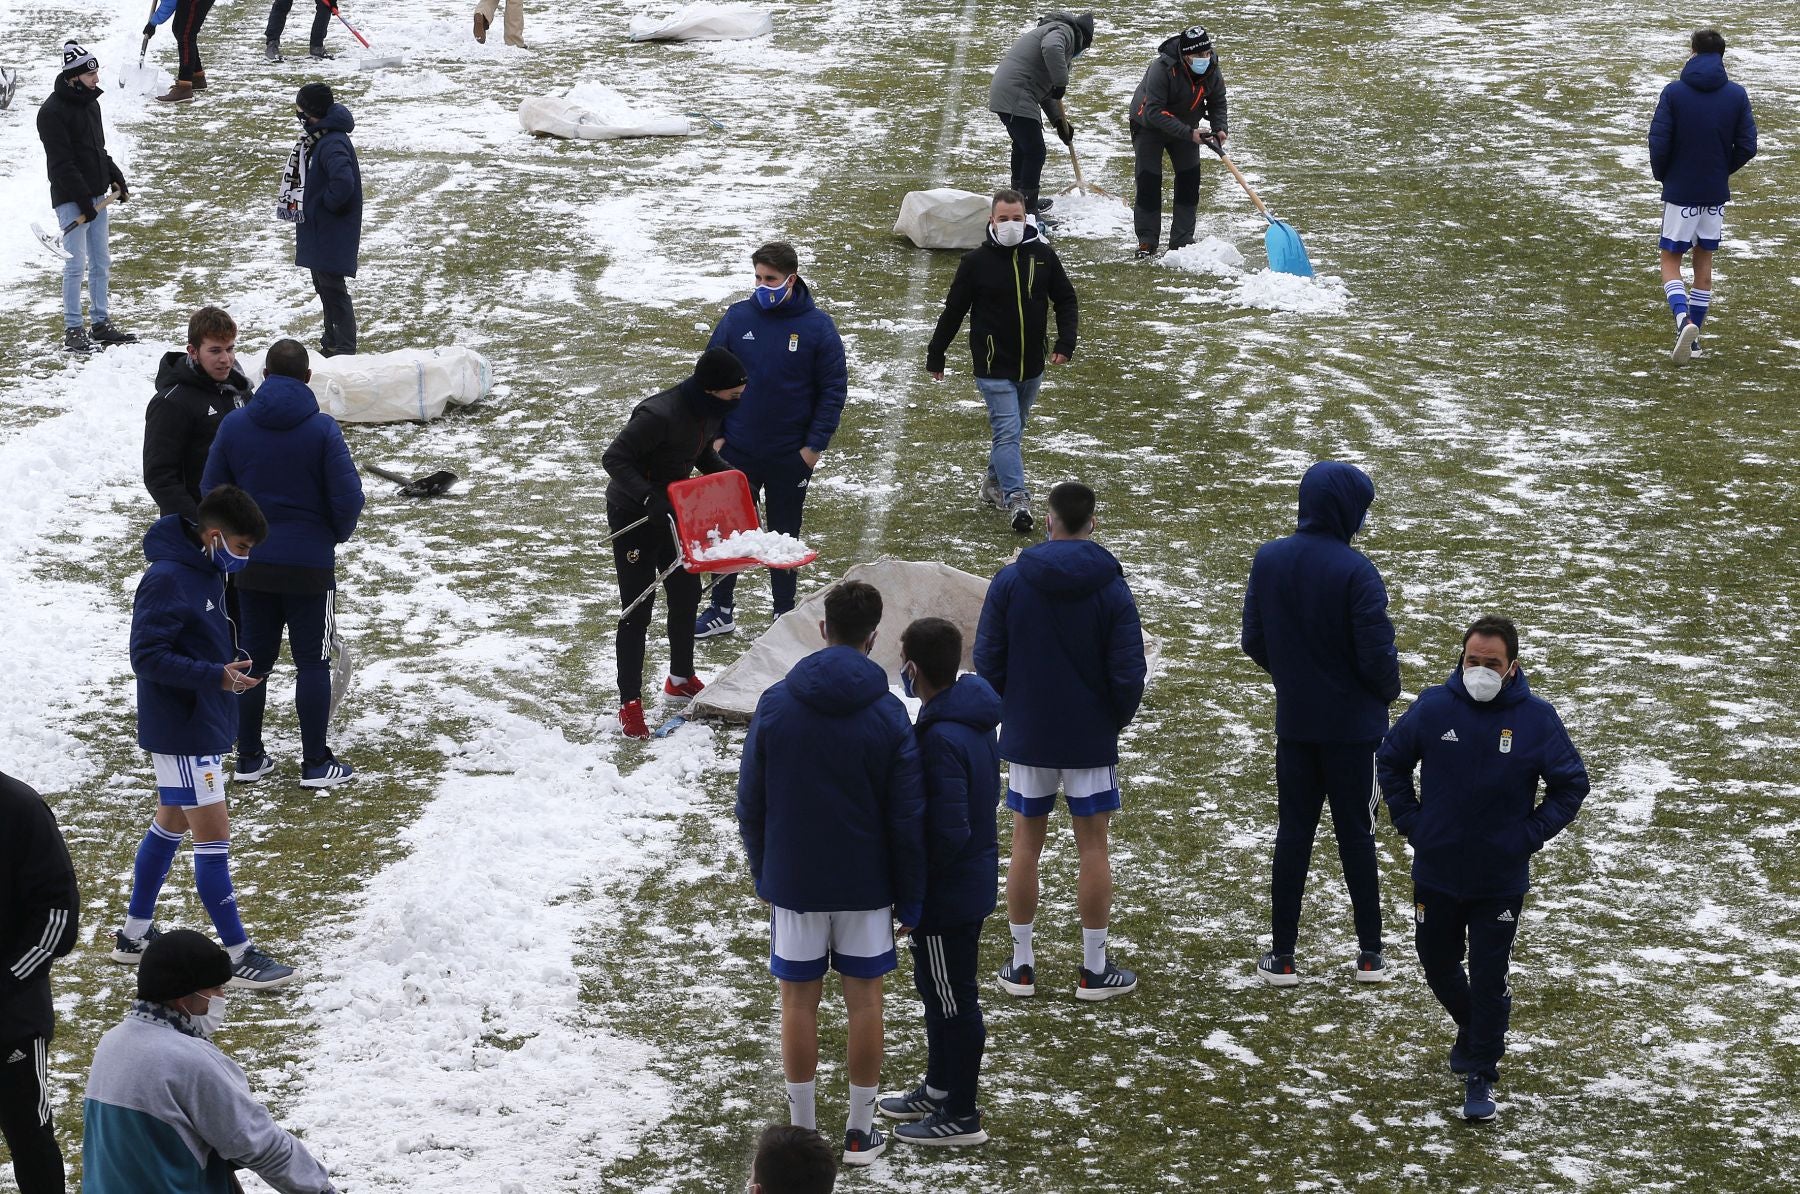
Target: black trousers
[
  {"x": 278, "y": 15},
  {"x": 944, "y": 966},
  {"x": 780, "y": 484},
  {"x": 1028, "y": 155},
  {"x": 1307, "y": 776},
  {"x": 339, "y": 337},
  {"x": 189, "y": 16},
  {"x": 1148, "y": 146},
  {"x": 638, "y": 556},
  {"x": 1479, "y": 999},
  {"x": 25, "y": 1117}
]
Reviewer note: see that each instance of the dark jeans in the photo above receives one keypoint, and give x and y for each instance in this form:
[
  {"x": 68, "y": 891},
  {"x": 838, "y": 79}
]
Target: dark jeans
[
  {"x": 1028, "y": 154},
  {"x": 339, "y": 337},
  {"x": 638, "y": 556},
  {"x": 278, "y": 15},
  {"x": 778, "y": 483},
  {"x": 1307, "y": 775},
  {"x": 307, "y": 618},
  {"x": 944, "y": 966},
  {"x": 189, "y": 16},
  {"x": 1480, "y": 1001},
  {"x": 1148, "y": 146},
  {"x": 25, "y": 1118}
]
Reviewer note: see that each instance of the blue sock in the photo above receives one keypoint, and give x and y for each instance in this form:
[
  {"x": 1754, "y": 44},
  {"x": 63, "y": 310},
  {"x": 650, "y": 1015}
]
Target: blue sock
[
  {"x": 154, "y": 855},
  {"x": 1698, "y": 302},
  {"x": 1677, "y": 295},
  {"x": 212, "y": 879}
]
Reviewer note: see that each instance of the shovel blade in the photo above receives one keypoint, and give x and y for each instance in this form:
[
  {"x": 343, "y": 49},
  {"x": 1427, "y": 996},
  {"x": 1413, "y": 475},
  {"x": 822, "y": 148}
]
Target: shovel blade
[
  {"x": 1286, "y": 254},
  {"x": 50, "y": 241},
  {"x": 431, "y": 486},
  {"x": 380, "y": 63}
]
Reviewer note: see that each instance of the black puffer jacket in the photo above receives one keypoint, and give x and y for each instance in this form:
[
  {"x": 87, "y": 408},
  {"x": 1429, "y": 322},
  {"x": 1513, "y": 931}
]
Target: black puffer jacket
[
  {"x": 666, "y": 436},
  {"x": 1173, "y": 100},
  {"x": 179, "y": 426},
  {"x": 75, "y": 145},
  {"x": 1006, "y": 295}
]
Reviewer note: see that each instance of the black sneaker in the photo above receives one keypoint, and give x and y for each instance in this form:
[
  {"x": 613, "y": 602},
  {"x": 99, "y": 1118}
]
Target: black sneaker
[
  {"x": 319, "y": 52},
  {"x": 861, "y": 1148},
  {"x": 1144, "y": 251},
  {"x": 1018, "y": 980},
  {"x": 913, "y": 1106},
  {"x": 1371, "y": 967},
  {"x": 1018, "y": 510},
  {"x": 1478, "y": 1098},
  {"x": 129, "y": 951},
  {"x": 76, "y": 340},
  {"x": 258, "y": 971},
  {"x": 1114, "y": 981},
  {"x": 941, "y": 1127},
  {"x": 1044, "y": 205},
  {"x": 1278, "y": 970},
  {"x": 272, "y": 49},
  {"x": 104, "y": 333}
]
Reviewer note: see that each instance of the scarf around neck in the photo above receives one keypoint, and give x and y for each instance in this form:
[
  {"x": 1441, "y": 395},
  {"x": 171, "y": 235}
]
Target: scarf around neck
[{"x": 290, "y": 204}]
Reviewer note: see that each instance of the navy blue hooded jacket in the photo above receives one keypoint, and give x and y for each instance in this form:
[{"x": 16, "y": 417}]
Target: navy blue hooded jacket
[
  {"x": 328, "y": 237},
  {"x": 1701, "y": 135},
  {"x": 290, "y": 457},
  {"x": 794, "y": 359},
  {"x": 1315, "y": 617},
  {"x": 1060, "y": 642},
  {"x": 181, "y": 641},
  {"x": 830, "y": 803},
  {"x": 961, "y": 758},
  {"x": 1475, "y": 822}
]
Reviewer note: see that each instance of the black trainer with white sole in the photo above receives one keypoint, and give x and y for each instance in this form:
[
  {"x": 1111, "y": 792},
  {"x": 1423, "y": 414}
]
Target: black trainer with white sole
[
  {"x": 129, "y": 951},
  {"x": 1110, "y": 983},
  {"x": 911, "y": 1106},
  {"x": 861, "y": 1148},
  {"x": 942, "y": 1128},
  {"x": 258, "y": 971},
  {"x": 1278, "y": 970},
  {"x": 1018, "y": 980}
]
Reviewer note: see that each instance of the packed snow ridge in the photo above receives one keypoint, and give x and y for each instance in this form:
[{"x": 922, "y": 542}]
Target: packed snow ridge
[{"x": 767, "y": 547}]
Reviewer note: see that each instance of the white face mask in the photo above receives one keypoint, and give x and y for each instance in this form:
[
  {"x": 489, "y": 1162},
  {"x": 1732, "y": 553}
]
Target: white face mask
[
  {"x": 213, "y": 1019},
  {"x": 1483, "y": 683},
  {"x": 1010, "y": 234}
]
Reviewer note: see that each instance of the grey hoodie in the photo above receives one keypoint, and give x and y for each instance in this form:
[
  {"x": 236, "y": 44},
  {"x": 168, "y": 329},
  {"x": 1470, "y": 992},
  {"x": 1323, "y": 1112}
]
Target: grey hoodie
[{"x": 1035, "y": 71}]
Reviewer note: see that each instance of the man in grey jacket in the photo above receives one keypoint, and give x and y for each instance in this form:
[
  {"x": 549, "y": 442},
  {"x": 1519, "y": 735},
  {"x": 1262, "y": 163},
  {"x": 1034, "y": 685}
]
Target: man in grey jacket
[
  {"x": 1028, "y": 85},
  {"x": 165, "y": 1110}
]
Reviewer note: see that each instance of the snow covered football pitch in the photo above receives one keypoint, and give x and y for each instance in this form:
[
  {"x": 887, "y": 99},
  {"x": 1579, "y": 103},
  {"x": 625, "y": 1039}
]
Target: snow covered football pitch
[{"x": 531, "y": 958}]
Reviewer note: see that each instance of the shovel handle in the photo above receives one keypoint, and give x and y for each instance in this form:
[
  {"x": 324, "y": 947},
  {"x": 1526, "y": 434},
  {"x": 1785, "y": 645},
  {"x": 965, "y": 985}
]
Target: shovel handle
[
  {"x": 105, "y": 201},
  {"x": 1074, "y": 161},
  {"x": 1235, "y": 173},
  {"x": 352, "y": 28}
]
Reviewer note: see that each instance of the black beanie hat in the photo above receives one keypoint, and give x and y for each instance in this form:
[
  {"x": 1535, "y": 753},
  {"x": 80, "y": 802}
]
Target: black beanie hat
[
  {"x": 1194, "y": 39},
  {"x": 179, "y": 963},
  {"x": 718, "y": 369},
  {"x": 76, "y": 60},
  {"x": 314, "y": 99}
]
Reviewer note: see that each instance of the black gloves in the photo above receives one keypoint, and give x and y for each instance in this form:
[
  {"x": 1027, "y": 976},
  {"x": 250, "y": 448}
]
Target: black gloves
[
  {"x": 1056, "y": 93},
  {"x": 1066, "y": 131},
  {"x": 657, "y": 506},
  {"x": 87, "y": 211},
  {"x": 149, "y": 30}
]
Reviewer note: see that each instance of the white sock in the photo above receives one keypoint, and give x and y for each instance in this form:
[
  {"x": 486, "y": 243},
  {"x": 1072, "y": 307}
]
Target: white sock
[
  {"x": 802, "y": 1112},
  {"x": 1093, "y": 950},
  {"x": 932, "y": 1092},
  {"x": 1021, "y": 935},
  {"x": 237, "y": 951},
  {"x": 136, "y": 927},
  {"x": 862, "y": 1107}
]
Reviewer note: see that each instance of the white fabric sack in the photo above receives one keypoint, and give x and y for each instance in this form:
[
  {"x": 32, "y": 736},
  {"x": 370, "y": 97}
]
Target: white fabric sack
[
  {"x": 592, "y": 113},
  {"x": 945, "y": 218},
  {"x": 704, "y": 22},
  {"x": 409, "y": 384}
]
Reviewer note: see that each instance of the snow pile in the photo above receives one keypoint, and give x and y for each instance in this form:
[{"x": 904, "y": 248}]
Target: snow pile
[
  {"x": 768, "y": 547},
  {"x": 1090, "y": 217},
  {"x": 1270, "y": 291},
  {"x": 705, "y": 22},
  {"x": 411, "y": 84},
  {"x": 1208, "y": 256}
]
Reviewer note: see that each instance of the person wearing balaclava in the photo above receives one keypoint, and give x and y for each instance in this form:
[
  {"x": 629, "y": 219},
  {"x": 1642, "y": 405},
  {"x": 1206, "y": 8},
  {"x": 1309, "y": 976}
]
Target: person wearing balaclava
[
  {"x": 667, "y": 436},
  {"x": 81, "y": 174},
  {"x": 321, "y": 195},
  {"x": 1028, "y": 89},
  {"x": 1181, "y": 88},
  {"x": 165, "y": 1109}
]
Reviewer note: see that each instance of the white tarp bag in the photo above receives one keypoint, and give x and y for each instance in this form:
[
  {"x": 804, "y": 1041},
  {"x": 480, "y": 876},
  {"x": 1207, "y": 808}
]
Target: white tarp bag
[
  {"x": 591, "y": 112},
  {"x": 407, "y": 385},
  {"x": 705, "y": 22},
  {"x": 945, "y": 218}
]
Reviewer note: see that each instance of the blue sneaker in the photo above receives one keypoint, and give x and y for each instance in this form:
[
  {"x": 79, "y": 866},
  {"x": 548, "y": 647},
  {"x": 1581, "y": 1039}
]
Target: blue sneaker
[
  {"x": 917, "y": 1105},
  {"x": 1278, "y": 970},
  {"x": 1018, "y": 980},
  {"x": 328, "y": 774},
  {"x": 251, "y": 768},
  {"x": 1110, "y": 983},
  {"x": 861, "y": 1148},
  {"x": 129, "y": 951},
  {"x": 941, "y": 1127},
  {"x": 713, "y": 621},
  {"x": 258, "y": 971},
  {"x": 1478, "y": 1098}
]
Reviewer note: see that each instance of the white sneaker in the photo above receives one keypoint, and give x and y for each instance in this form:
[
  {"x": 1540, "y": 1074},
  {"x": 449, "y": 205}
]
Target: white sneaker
[{"x": 1684, "y": 342}]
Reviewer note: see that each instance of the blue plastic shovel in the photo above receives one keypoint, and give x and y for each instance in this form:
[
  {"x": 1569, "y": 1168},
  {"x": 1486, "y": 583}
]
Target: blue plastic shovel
[{"x": 1286, "y": 254}]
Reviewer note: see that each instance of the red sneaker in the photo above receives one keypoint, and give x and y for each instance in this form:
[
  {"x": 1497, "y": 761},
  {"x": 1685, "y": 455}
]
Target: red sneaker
[
  {"x": 682, "y": 693},
  {"x": 631, "y": 717}
]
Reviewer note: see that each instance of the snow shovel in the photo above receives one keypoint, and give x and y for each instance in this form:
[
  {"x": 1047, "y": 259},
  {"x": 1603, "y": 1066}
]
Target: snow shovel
[
  {"x": 1081, "y": 187},
  {"x": 342, "y": 672},
  {"x": 144, "y": 49},
  {"x": 9, "y": 79},
  {"x": 55, "y": 242},
  {"x": 430, "y": 485},
  {"x": 1286, "y": 254},
  {"x": 366, "y": 63}
]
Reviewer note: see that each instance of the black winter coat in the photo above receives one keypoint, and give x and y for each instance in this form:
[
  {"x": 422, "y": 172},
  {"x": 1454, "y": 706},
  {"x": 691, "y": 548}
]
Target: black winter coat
[
  {"x": 40, "y": 911},
  {"x": 1006, "y": 295},
  {"x": 1173, "y": 100},
  {"x": 75, "y": 145},
  {"x": 179, "y": 426},
  {"x": 666, "y": 436}
]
